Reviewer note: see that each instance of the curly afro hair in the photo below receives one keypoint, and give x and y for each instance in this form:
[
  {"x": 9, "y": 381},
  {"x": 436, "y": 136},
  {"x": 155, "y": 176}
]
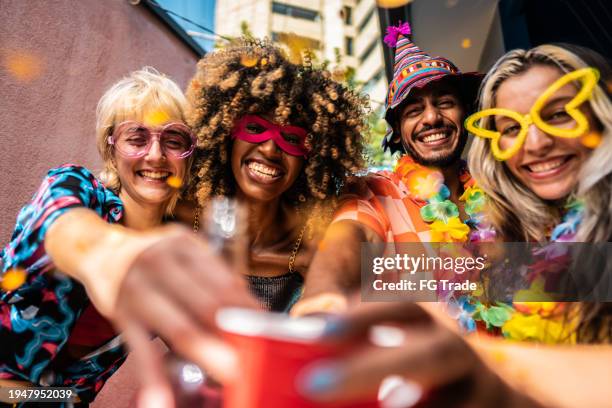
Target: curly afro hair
[{"x": 254, "y": 77}]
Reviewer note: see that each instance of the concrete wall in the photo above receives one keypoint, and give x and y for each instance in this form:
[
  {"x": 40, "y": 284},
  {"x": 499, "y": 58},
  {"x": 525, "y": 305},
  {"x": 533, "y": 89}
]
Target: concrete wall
[{"x": 57, "y": 58}]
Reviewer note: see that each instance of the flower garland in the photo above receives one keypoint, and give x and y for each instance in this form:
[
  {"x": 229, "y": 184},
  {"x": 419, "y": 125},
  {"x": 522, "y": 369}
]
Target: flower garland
[
  {"x": 534, "y": 321},
  {"x": 426, "y": 185},
  {"x": 544, "y": 321}
]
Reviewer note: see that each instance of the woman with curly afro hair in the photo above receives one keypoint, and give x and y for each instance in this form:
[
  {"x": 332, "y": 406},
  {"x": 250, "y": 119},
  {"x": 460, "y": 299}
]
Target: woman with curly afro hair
[{"x": 281, "y": 139}]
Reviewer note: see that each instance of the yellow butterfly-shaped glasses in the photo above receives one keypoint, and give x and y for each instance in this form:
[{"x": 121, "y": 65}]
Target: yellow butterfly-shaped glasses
[{"x": 587, "y": 76}]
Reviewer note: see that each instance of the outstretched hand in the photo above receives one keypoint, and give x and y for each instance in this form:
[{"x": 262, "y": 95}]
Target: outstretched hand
[{"x": 438, "y": 365}]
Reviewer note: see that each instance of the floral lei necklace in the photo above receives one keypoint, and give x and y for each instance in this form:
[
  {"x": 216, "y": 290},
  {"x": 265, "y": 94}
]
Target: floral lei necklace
[
  {"x": 544, "y": 321},
  {"x": 426, "y": 185},
  {"x": 537, "y": 321}
]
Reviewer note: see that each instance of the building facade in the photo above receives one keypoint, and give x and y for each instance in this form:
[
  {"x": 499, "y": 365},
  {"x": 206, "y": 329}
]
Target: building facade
[{"x": 344, "y": 32}]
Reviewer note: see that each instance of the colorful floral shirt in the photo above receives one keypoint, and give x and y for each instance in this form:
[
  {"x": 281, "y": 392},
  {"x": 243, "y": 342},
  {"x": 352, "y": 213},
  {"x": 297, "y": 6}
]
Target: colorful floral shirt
[{"x": 36, "y": 318}]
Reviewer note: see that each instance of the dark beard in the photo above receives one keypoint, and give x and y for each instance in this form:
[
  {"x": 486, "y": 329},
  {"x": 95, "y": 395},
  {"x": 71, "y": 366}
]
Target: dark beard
[{"x": 441, "y": 161}]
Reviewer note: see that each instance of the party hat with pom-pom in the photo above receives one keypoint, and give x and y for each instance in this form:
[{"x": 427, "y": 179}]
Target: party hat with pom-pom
[{"x": 415, "y": 68}]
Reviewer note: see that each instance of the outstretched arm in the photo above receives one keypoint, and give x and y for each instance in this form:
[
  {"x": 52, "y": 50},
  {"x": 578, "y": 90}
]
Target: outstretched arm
[{"x": 335, "y": 271}]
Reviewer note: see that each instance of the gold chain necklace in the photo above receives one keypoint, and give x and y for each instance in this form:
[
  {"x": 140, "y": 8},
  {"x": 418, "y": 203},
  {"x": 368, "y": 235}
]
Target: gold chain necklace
[
  {"x": 294, "y": 251},
  {"x": 296, "y": 248}
]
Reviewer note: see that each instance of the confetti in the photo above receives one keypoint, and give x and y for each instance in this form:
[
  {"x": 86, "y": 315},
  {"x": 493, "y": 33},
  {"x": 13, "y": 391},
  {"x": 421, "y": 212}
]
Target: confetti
[
  {"x": 23, "y": 66},
  {"x": 13, "y": 279},
  {"x": 297, "y": 46},
  {"x": 264, "y": 61},
  {"x": 591, "y": 140},
  {"x": 174, "y": 182},
  {"x": 156, "y": 118},
  {"x": 466, "y": 43},
  {"x": 248, "y": 60},
  {"x": 392, "y": 3},
  {"x": 322, "y": 246}
]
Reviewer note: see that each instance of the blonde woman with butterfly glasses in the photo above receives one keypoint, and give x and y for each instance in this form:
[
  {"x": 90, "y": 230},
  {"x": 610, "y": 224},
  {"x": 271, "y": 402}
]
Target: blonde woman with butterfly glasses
[{"x": 545, "y": 137}]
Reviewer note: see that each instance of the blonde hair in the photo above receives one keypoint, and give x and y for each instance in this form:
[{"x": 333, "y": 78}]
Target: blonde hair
[
  {"x": 144, "y": 92},
  {"x": 515, "y": 211}
]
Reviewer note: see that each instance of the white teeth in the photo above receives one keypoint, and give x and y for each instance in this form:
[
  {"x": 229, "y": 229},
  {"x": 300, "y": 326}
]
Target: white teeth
[
  {"x": 546, "y": 166},
  {"x": 434, "y": 137},
  {"x": 263, "y": 170},
  {"x": 157, "y": 175}
]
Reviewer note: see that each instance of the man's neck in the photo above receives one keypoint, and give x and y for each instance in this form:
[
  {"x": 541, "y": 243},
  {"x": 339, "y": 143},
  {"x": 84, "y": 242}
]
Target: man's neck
[{"x": 451, "y": 179}]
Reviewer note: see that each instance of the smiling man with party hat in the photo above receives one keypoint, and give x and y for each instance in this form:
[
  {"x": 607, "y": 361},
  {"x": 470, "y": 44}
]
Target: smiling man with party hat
[{"x": 428, "y": 197}]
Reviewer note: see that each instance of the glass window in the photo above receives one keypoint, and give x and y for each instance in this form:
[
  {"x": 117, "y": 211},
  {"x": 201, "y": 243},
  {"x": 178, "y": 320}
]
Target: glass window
[
  {"x": 294, "y": 11},
  {"x": 348, "y": 15},
  {"x": 364, "y": 56},
  {"x": 348, "y": 45},
  {"x": 366, "y": 19}
]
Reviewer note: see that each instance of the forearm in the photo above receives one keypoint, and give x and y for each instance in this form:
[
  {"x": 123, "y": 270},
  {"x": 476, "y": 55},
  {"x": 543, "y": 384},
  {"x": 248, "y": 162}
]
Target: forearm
[
  {"x": 75, "y": 237},
  {"x": 94, "y": 252},
  {"x": 336, "y": 265},
  {"x": 555, "y": 376}
]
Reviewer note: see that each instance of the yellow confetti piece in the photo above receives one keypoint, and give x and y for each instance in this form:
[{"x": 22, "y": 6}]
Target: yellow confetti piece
[
  {"x": 248, "y": 60},
  {"x": 174, "y": 182},
  {"x": 264, "y": 61},
  {"x": 466, "y": 43},
  {"x": 392, "y": 3},
  {"x": 297, "y": 46},
  {"x": 13, "y": 279},
  {"x": 591, "y": 140},
  {"x": 156, "y": 118},
  {"x": 23, "y": 66}
]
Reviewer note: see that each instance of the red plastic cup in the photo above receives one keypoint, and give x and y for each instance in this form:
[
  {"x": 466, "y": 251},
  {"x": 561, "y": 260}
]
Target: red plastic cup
[{"x": 273, "y": 349}]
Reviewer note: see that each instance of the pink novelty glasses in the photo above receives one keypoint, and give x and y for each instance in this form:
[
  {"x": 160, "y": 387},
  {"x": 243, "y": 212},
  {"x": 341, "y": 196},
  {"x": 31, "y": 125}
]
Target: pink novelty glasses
[{"x": 133, "y": 139}]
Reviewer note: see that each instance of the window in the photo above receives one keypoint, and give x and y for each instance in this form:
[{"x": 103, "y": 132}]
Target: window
[
  {"x": 294, "y": 11},
  {"x": 368, "y": 51},
  {"x": 348, "y": 45},
  {"x": 374, "y": 79},
  {"x": 366, "y": 19},
  {"x": 348, "y": 15}
]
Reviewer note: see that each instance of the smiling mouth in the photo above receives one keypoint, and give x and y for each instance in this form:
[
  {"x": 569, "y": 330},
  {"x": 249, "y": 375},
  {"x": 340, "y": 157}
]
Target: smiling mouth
[
  {"x": 264, "y": 172},
  {"x": 438, "y": 137},
  {"x": 154, "y": 175},
  {"x": 548, "y": 166}
]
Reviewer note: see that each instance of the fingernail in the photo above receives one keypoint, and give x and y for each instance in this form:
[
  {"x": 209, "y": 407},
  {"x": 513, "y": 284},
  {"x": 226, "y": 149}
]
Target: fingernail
[
  {"x": 397, "y": 392},
  {"x": 335, "y": 327},
  {"x": 318, "y": 378}
]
